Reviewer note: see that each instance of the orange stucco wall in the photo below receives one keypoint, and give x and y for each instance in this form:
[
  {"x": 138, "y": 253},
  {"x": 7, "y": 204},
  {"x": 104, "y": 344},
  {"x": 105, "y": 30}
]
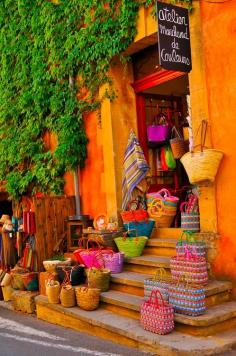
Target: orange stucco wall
[{"x": 219, "y": 41}]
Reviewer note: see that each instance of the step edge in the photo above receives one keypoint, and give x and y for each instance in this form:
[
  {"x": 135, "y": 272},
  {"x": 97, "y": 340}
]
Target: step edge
[{"x": 160, "y": 341}]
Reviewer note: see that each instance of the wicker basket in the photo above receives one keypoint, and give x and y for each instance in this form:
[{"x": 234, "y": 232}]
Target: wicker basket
[
  {"x": 158, "y": 212},
  {"x": 53, "y": 292},
  {"x": 202, "y": 165},
  {"x": 7, "y": 293},
  {"x": 67, "y": 296},
  {"x": 99, "y": 278},
  {"x": 87, "y": 298},
  {"x": 50, "y": 266},
  {"x": 177, "y": 144},
  {"x": 17, "y": 281}
]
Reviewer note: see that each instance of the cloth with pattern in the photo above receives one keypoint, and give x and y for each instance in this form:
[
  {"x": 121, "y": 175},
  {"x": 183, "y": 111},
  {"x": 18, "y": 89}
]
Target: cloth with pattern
[{"x": 135, "y": 168}]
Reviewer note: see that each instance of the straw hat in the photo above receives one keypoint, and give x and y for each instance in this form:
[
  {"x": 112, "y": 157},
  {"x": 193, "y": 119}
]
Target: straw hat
[{"x": 4, "y": 218}]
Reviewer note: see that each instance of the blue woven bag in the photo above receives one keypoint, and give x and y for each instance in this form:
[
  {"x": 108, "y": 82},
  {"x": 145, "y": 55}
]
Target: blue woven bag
[{"x": 139, "y": 228}]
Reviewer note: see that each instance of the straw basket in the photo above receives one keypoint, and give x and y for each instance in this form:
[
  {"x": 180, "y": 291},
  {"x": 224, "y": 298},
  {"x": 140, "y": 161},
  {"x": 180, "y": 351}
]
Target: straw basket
[
  {"x": 7, "y": 293},
  {"x": 53, "y": 291},
  {"x": 87, "y": 298},
  {"x": 202, "y": 165},
  {"x": 177, "y": 144},
  {"x": 99, "y": 278},
  {"x": 67, "y": 296},
  {"x": 158, "y": 212},
  {"x": 17, "y": 281}
]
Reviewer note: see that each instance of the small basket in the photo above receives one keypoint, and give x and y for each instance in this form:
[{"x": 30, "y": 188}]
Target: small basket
[
  {"x": 17, "y": 281},
  {"x": 53, "y": 292},
  {"x": 177, "y": 144},
  {"x": 67, "y": 296},
  {"x": 99, "y": 278},
  {"x": 87, "y": 298}
]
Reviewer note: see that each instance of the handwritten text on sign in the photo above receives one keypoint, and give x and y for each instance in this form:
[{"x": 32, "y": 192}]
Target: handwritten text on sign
[{"x": 173, "y": 37}]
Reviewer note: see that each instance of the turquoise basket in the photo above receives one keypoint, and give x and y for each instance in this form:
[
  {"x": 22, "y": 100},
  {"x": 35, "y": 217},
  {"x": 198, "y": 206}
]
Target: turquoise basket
[{"x": 140, "y": 228}]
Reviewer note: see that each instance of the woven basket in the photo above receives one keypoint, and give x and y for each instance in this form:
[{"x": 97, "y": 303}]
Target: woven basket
[
  {"x": 202, "y": 165},
  {"x": 53, "y": 292},
  {"x": 141, "y": 228},
  {"x": 99, "y": 278},
  {"x": 177, "y": 144},
  {"x": 67, "y": 296},
  {"x": 7, "y": 293},
  {"x": 131, "y": 246},
  {"x": 87, "y": 298}
]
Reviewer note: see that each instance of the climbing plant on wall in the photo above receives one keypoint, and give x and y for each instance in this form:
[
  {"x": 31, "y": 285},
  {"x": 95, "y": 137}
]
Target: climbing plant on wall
[{"x": 54, "y": 57}]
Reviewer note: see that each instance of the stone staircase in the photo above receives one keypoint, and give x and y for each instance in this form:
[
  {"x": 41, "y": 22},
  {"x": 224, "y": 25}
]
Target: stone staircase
[
  {"x": 119, "y": 312},
  {"x": 127, "y": 290}
]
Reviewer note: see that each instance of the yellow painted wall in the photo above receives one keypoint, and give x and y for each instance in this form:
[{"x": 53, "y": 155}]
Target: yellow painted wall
[{"x": 219, "y": 39}]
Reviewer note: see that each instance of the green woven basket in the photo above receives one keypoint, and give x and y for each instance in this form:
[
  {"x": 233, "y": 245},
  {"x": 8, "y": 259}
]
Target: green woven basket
[{"x": 131, "y": 246}]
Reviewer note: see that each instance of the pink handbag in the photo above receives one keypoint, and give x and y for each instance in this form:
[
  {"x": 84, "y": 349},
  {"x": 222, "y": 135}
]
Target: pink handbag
[
  {"x": 159, "y": 131},
  {"x": 157, "y": 315}
]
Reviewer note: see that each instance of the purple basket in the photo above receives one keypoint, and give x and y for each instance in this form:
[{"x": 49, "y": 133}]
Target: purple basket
[
  {"x": 158, "y": 133},
  {"x": 114, "y": 262}
]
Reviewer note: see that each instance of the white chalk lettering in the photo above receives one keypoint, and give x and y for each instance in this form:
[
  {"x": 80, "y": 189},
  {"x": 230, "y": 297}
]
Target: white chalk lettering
[
  {"x": 172, "y": 16},
  {"x": 173, "y": 32},
  {"x": 174, "y": 57}
]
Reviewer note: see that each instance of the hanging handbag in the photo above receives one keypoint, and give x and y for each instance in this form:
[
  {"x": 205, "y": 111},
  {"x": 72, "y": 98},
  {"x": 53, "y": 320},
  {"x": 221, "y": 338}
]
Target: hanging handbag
[
  {"x": 159, "y": 131},
  {"x": 157, "y": 315},
  {"x": 177, "y": 143},
  {"x": 169, "y": 158},
  {"x": 164, "y": 166}
]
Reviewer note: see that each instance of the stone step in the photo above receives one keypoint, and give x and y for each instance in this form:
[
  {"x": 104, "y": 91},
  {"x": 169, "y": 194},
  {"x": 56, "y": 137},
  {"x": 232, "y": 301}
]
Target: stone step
[
  {"x": 160, "y": 247},
  {"x": 127, "y": 331},
  {"x": 147, "y": 264},
  {"x": 132, "y": 283},
  {"x": 217, "y": 317},
  {"x": 167, "y": 233}
]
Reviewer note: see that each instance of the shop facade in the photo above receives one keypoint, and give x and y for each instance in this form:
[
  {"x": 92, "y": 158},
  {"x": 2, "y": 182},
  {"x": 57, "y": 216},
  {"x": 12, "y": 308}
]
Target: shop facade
[{"x": 101, "y": 180}]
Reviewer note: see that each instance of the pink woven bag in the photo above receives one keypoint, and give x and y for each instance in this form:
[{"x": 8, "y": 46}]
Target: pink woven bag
[{"x": 157, "y": 315}]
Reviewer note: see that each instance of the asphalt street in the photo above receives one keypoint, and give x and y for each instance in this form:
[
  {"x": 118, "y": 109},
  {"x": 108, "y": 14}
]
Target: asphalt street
[{"x": 25, "y": 335}]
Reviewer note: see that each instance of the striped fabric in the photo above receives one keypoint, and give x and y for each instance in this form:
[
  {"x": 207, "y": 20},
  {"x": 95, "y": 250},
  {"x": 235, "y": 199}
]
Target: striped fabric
[{"x": 135, "y": 168}]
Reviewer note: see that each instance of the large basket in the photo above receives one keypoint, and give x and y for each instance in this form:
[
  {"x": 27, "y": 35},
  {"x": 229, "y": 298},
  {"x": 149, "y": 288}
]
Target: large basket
[
  {"x": 99, "y": 278},
  {"x": 202, "y": 165},
  {"x": 87, "y": 298},
  {"x": 162, "y": 217},
  {"x": 131, "y": 246},
  {"x": 67, "y": 296}
]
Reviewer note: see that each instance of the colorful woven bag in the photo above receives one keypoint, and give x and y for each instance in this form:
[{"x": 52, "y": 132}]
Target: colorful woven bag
[
  {"x": 114, "y": 261},
  {"x": 157, "y": 315},
  {"x": 194, "y": 268},
  {"x": 140, "y": 228},
  {"x": 187, "y": 298},
  {"x": 159, "y": 282},
  {"x": 131, "y": 246},
  {"x": 197, "y": 248}
]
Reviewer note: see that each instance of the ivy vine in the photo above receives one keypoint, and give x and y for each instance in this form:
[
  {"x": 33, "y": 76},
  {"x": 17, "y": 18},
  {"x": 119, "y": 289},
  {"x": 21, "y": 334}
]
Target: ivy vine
[{"x": 54, "y": 57}]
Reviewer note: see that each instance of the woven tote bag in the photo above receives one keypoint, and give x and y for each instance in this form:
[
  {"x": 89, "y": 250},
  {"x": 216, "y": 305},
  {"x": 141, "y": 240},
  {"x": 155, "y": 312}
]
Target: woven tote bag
[{"x": 157, "y": 315}]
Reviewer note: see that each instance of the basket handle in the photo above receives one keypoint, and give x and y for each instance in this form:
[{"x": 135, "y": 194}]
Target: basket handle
[
  {"x": 161, "y": 273},
  {"x": 156, "y": 300},
  {"x": 203, "y": 127},
  {"x": 175, "y": 132}
]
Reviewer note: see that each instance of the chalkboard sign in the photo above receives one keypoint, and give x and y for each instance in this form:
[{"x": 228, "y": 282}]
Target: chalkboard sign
[{"x": 174, "y": 38}]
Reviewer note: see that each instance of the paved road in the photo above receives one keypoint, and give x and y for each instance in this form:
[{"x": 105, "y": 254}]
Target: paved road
[{"x": 24, "y": 335}]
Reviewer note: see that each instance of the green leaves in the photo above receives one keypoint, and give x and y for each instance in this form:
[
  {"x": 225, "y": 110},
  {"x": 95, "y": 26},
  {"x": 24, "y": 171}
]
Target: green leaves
[{"x": 42, "y": 46}]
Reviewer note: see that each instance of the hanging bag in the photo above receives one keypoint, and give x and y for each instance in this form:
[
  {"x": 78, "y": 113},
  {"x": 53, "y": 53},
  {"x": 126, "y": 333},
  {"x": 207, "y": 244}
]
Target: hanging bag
[
  {"x": 169, "y": 158},
  {"x": 157, "y": 315},
  {"x": 159, "y": 131},
  {"x": 202, "y": 165},
  {"x": 177, "y": 143}
]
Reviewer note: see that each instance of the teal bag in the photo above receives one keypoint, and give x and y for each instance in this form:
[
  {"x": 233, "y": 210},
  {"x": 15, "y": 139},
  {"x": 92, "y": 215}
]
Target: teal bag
[{"x": 170, "y": 161}]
